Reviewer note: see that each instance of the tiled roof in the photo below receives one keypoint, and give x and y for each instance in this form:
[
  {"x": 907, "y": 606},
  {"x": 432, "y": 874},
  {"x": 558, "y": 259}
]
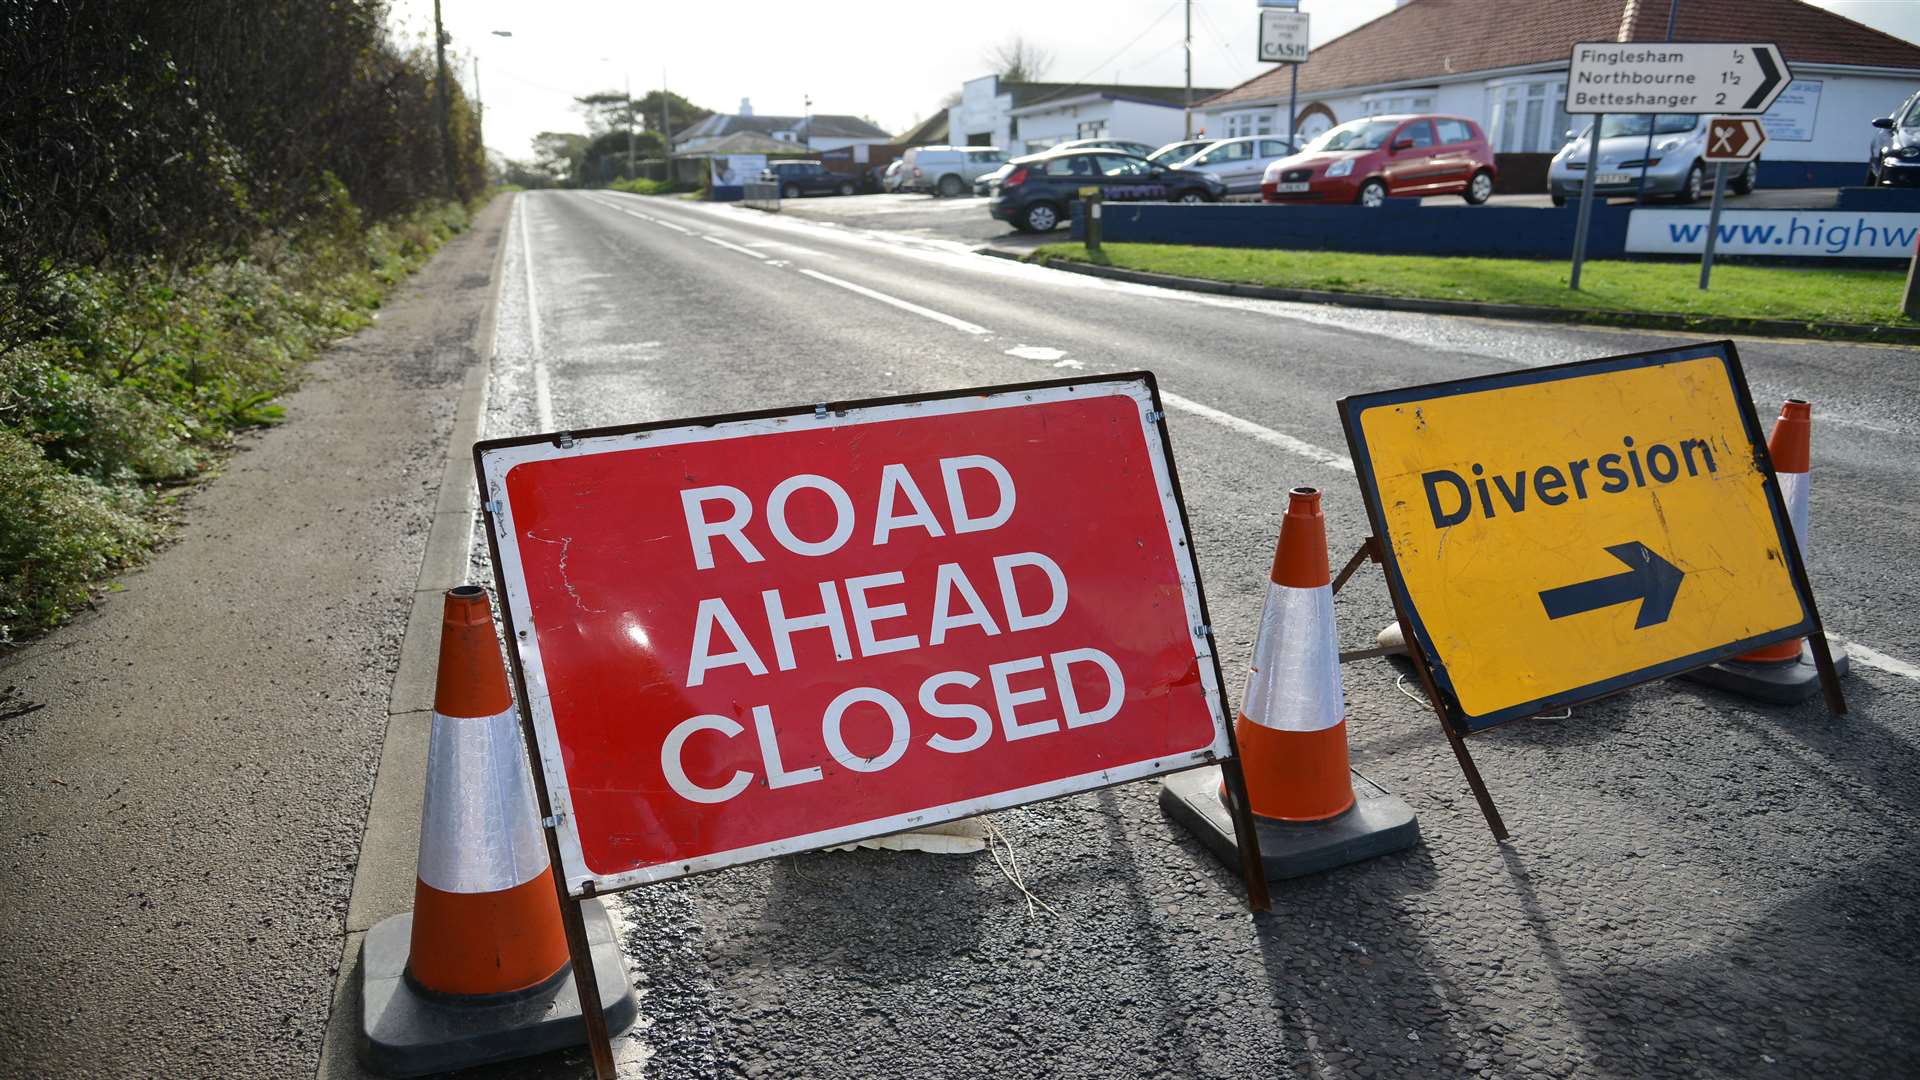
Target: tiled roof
[
  {"x": 820, "y": 126},
  {"x": 1430, "y": 39}
]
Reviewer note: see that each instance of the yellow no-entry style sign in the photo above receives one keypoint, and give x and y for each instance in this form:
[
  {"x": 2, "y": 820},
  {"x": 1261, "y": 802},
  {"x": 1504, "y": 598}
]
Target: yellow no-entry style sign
[{"x": 1555, "y": 534}]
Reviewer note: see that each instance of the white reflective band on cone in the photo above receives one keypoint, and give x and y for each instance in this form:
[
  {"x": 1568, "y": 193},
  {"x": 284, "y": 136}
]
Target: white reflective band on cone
[
  {"x": 480, "y": 827},
  {"x": 1295, "y": 685},
  {"x": 1793, "y": 491}
]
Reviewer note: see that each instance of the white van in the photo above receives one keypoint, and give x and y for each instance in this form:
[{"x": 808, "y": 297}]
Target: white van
[{"x": 948, "y": 170}]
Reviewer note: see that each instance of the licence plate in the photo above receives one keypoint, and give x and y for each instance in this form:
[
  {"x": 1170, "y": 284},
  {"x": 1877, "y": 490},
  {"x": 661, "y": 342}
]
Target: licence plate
[
  {"x": 1282, "y": 189},
  {"x": 1614, "y": 178}
]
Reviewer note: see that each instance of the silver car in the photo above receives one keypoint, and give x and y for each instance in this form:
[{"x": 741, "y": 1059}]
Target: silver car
[
  {"x": 1239, "y": 162},
  {"x": 1672, "y": 168}
]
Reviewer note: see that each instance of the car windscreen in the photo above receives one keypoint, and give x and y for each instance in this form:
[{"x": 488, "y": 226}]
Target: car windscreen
[
  {"x": 1357, "y": 135},
  {"x": 1636, "y": 124},
  {"x": 1913, "y": 115},
  {"x": 1177, "y": 152}
]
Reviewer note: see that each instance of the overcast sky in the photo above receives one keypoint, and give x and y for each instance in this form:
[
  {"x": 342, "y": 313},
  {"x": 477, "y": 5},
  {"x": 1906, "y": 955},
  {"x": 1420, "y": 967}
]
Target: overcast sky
[{"x": 891, "y": 60}]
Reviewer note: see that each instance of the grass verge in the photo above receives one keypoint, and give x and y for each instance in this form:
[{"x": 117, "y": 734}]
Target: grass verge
[
  {"x": 1608, "y": 289},
  {"x": 144, "y": 376}
]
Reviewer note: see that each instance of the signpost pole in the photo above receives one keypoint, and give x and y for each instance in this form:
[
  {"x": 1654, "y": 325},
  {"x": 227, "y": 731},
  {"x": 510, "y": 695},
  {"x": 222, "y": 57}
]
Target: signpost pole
[
  {"x": 1293, "y": 108},
  {"x": 1586, "y": 204},
  {"x": 1910, "y": 302},
  {"x": 1713, "y": 223}
]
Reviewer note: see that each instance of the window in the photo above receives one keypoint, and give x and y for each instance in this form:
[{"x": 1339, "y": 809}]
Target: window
[
  {"x": 1258, "y": 122},
  {"x": 1354, "y": 135},
  {"x": 1092, "y": 129},
  {"x": 1454, "y": 131},
  {"x": 986, "y": 157},
  {"x": 1419, "y": 133},
  {"x": 1071, "y": 165},
  {"x": 1227, "y": 152},
  {"x": 1381, "y": 105},
  {"x": 1111, "y": 165},
  {"x": 1529, "y": 116},
  {"x": 1272, "y": 148}
]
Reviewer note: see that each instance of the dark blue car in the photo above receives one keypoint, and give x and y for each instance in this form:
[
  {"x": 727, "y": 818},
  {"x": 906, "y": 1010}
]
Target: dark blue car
[{"x": 1038, "y": 189}]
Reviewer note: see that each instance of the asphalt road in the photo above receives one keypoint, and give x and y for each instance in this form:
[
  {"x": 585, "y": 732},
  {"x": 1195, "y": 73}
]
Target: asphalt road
[{"x": 1696, "y": 886}]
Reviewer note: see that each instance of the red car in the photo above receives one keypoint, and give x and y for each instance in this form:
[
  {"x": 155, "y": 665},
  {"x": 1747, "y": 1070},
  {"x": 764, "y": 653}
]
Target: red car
[{"x": 1366, "y": 161}]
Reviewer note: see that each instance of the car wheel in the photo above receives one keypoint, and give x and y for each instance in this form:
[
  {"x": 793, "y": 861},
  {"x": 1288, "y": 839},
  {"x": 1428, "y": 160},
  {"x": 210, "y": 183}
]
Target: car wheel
[
  {"x": 1373, "y": 193},
  {"x": 1190, "y": 197},
  {"x": 1559, "y": 199},
  {"x": 1041, "y": 217},
  {"x": 1479, "y": 188},
  {"x": 791, "y": 191},
  {"x": 846, "y": 189},
  {"x": 951, "y": 186},
  {"x": 1744, "y": 183},
  {"x": 1696, "y": 180}
]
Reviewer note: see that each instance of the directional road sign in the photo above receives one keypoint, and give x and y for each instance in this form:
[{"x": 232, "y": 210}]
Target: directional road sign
[
  {"x": 1733, "y": 141},
  {"x": 748, "y": 635},
  {"x": 1555, "y": 534},
  {"x": 1283, "y": 36},
  {"x": 1678, "y": 77}
]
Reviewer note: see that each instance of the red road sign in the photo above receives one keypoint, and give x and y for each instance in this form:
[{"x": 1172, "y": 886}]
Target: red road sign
[
  {"x": 1732, "y": 140},
  {"x": 741, "y": 637}
]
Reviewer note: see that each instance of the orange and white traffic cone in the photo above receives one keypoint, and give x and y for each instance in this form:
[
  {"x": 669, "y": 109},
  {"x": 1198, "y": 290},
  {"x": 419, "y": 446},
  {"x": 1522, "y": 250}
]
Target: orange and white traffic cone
[
  {"x": 1313, "y": 812},
  {"x": 1782, "y": 673},
  {"x": 479, "y": 970}
]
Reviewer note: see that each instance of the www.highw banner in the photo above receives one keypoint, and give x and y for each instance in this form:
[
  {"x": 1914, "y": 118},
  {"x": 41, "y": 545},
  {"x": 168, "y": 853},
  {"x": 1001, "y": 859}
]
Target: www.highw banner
[{"x": 1788, "y": 233}]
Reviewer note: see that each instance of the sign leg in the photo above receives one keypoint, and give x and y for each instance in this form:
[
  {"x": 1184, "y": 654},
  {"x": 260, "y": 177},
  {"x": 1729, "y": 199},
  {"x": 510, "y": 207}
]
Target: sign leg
[
  {"x": 1467, "y": 768},
  {"x": 1245, "y": 836},
  {"x": 1829, "y": 675},
  {"x": 586, "y": 983}
]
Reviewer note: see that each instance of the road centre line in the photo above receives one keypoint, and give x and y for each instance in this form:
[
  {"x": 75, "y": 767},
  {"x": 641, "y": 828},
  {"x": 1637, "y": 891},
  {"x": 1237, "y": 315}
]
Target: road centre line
[
  {"x": 903, "y": 305},
  {"x": 1881, "y": 661},
  {"x": 1278, "y": 440},
  {"x": 542, "y": 389},
  {"x": 735, "y": 247}
]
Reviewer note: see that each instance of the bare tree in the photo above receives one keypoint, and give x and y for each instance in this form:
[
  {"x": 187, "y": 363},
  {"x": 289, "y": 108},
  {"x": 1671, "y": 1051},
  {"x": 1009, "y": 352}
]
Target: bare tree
[{"x": 1018, "y": 60}]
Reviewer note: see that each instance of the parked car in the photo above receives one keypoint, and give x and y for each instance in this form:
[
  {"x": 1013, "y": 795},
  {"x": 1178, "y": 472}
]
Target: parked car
[
  {"x": 1673, "y": 167},
  {"x": 1894, "y": 155},
  {"x": 797, "y": 178},
  {"x": 1176, "y": 152},
  {"x": 1137, "y": 149},
  {"x": 1241, "y": 162},
  {"x": 895, "y": 175},
  {"x": 1368, "y": 161},
  {"x": 948, "y": 170},
  {"x": 1038, "y": 190}
]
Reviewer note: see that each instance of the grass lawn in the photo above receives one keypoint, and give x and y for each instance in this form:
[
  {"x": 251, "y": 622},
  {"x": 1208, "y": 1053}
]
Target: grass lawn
[{"x": 1756, "y": 292}]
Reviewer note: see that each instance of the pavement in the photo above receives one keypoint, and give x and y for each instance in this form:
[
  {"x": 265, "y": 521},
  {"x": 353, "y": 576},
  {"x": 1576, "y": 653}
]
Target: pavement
[
  {"x": 1697, "y": 886},
  {"x": 187, "y": 770}
]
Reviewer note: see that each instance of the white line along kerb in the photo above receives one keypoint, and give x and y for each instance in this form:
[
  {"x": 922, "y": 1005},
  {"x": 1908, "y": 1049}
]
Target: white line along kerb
[
  {"x": 542, "y": 391},
  {"x": 1265, "y": 434},
  {"x": 903, "y": 305}
]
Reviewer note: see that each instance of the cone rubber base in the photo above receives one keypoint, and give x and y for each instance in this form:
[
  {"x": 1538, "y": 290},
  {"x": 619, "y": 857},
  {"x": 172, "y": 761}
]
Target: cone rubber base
[
  {"x": 1378, "y": 824},
  {"x": 1787, "y": 683},
  {"x": 404, "y": 1032}
]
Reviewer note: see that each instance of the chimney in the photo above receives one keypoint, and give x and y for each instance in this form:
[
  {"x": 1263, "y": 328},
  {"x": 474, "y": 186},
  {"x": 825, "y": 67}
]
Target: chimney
[{"x": 746, "y": 107}]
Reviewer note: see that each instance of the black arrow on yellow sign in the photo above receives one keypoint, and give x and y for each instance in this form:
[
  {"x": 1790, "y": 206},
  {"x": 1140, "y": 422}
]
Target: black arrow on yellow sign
[{"x": 1649, "y": 579}]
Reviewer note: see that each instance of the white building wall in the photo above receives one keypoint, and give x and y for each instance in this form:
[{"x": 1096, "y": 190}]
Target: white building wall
[
  {"x": 983, "y": 108},
  {"x": 1155, "y": 125},
  {"x": 1843, "y": 119}
]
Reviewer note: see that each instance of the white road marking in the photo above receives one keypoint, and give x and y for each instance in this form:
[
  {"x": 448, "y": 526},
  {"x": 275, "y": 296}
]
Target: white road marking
[
  {"x": 542, "y": 390},
  {"x": 1036, "y": 352},
  {"x": 1881, "y": 661},
  {"x": 749, "y": 252},
  {"x": 903, "y": 305},
  {"x": 1265, "y": 434}
]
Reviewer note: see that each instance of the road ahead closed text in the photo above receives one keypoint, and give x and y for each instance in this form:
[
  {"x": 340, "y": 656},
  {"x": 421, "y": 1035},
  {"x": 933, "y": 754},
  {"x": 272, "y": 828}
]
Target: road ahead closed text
[{"x": 768, "y": 635}]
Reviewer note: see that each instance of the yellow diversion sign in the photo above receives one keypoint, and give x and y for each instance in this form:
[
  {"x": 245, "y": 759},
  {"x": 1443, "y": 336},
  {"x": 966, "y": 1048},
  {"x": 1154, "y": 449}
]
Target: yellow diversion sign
[{"x": 1560, "y": 533}]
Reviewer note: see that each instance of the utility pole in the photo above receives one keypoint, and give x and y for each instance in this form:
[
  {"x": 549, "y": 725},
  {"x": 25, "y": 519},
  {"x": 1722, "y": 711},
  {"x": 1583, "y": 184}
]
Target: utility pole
[
  {"x": 446, "y": 106},
  {"x": 629, "y": 93},
  {"x": 479, "y": 109},
  {"x": 666, "y": 125},
  {"x": 1189, "y": 44}
]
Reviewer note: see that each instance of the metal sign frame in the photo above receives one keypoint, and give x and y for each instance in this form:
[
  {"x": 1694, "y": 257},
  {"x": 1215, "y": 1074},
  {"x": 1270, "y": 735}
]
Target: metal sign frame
[
  {"x": 493, "y": 458},
  {"x": 1446, "y": 702}
]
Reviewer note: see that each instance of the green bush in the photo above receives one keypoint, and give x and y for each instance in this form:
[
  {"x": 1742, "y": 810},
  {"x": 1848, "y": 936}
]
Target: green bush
[
  {"x": 58, "y": 533},
  {"x": 641, "y": 186},
  {"x": 147, "y": 373}
]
